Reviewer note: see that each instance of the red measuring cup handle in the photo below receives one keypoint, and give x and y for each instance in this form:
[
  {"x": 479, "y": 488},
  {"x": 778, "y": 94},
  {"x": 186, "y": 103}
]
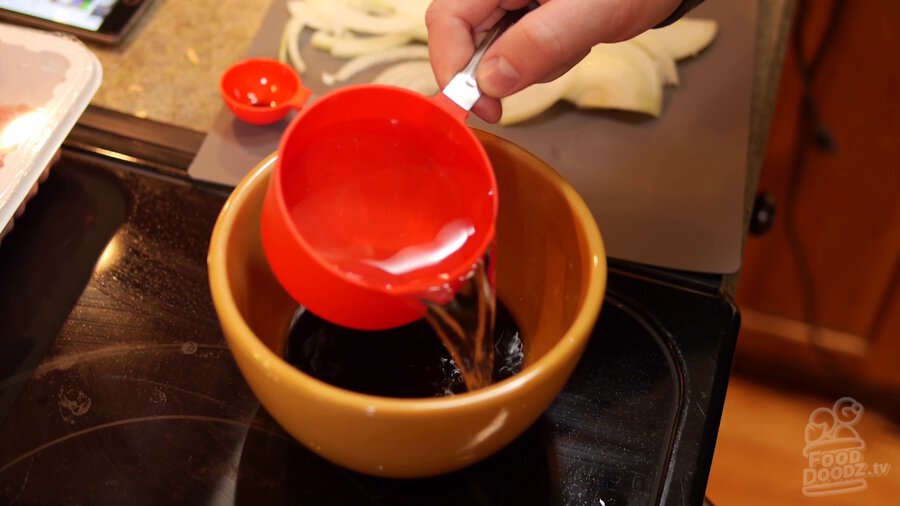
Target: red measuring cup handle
[
  {"x": 299, "y": 99},
  {"x": 447, "y": 104}
]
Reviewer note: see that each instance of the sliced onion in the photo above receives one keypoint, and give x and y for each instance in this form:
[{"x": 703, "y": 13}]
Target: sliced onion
[
  {"x": 348, "y": 46},
  {"x": 687, "y": 36},
  {"x": 535, "y": 99},
  {"x": 300, "y": 9},
  {"x": 412, "y": 75},
  {"x": 374, "y": 7},
  {"x": 340, "y": 16},
  {"x": 361, "y": 63},
  {"x": 617, "y": 76},
  {"x": 291, "y": 37},
  {"x": 665, "y": 63}
]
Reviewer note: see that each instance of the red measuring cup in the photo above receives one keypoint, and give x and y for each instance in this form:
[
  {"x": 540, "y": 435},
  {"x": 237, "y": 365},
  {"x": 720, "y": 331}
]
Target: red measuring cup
[
  {"x": 381, "y": 198},
  {"x": 261, "y": 90}
]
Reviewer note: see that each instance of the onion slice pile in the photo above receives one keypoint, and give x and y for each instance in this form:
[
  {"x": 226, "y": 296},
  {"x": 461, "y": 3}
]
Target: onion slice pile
[
  {"x": 367, "y": 32},
  {"x": 629, "y": 75}
]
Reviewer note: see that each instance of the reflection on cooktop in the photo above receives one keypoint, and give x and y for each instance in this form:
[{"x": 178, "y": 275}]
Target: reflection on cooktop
[{"x": 122, "y": 390}]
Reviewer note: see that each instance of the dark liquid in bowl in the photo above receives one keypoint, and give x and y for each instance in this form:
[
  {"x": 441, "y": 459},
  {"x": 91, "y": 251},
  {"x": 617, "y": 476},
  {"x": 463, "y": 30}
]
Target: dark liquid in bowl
[{"x": 409, "y": 361}]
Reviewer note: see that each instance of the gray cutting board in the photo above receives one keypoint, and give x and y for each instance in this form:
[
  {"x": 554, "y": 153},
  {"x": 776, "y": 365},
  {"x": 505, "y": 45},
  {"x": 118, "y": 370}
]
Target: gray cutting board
[{"x": 667, "y": 192}]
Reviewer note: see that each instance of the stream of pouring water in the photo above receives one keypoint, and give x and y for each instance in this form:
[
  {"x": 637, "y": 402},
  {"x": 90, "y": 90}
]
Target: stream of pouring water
[
  {"x": 463, "y": 320},
  {"x": 466, "y": 326}
]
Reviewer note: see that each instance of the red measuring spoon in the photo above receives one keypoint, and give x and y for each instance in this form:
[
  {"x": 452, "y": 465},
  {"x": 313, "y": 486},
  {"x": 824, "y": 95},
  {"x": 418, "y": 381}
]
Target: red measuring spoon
[
  {"x": 380, "y": 198},
  {"x": 262, "y": 90}
]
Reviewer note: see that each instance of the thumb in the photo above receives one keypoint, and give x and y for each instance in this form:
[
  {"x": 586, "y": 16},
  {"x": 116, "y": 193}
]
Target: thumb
[{"x": 557, "y": 35}]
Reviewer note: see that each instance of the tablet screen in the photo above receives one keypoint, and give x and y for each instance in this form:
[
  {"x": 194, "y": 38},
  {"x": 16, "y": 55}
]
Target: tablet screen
[{"x": 86, "y": 14}]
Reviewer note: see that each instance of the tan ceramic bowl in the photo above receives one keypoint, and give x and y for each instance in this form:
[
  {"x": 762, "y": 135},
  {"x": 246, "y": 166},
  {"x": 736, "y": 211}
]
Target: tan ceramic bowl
[{"x": 551, "y": 274}]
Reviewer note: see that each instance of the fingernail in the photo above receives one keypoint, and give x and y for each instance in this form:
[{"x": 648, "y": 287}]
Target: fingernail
[{"x": 498, "y": 77}]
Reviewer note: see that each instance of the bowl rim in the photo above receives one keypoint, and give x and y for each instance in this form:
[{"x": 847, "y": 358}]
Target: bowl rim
[{"x": 242, "y": 336}]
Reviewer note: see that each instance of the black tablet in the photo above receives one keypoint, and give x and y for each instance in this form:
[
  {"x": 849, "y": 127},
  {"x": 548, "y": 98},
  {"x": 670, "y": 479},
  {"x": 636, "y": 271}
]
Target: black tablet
[{"x": 103, "y": 21}]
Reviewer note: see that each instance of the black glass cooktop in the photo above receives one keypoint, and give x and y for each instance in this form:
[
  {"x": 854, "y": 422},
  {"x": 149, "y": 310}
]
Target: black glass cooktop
[{"x": 116, "y": 386}]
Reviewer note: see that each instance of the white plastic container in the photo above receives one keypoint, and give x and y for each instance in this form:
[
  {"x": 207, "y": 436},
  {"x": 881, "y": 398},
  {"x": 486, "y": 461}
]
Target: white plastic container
[{"x": 46, "y": 82}]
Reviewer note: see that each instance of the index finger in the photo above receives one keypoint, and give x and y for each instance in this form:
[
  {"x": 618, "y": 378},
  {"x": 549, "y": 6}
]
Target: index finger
[{"x": 451, "y": 24}]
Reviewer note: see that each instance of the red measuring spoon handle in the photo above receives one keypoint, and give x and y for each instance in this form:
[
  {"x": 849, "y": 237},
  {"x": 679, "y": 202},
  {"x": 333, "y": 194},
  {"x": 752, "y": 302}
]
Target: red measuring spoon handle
[{"x": 299, "y": 99}]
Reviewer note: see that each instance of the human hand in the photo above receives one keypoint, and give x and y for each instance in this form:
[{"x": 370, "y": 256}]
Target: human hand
[{"x": 543, "y": 45}]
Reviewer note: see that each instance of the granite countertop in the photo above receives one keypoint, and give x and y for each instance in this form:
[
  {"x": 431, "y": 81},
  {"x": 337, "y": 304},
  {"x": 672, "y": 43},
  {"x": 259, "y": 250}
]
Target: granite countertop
[{"x": 168, "y": 70}]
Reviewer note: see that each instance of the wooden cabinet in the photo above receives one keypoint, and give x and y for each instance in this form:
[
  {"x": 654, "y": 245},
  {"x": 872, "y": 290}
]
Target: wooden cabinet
[{"x": 841, "y": 290}]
